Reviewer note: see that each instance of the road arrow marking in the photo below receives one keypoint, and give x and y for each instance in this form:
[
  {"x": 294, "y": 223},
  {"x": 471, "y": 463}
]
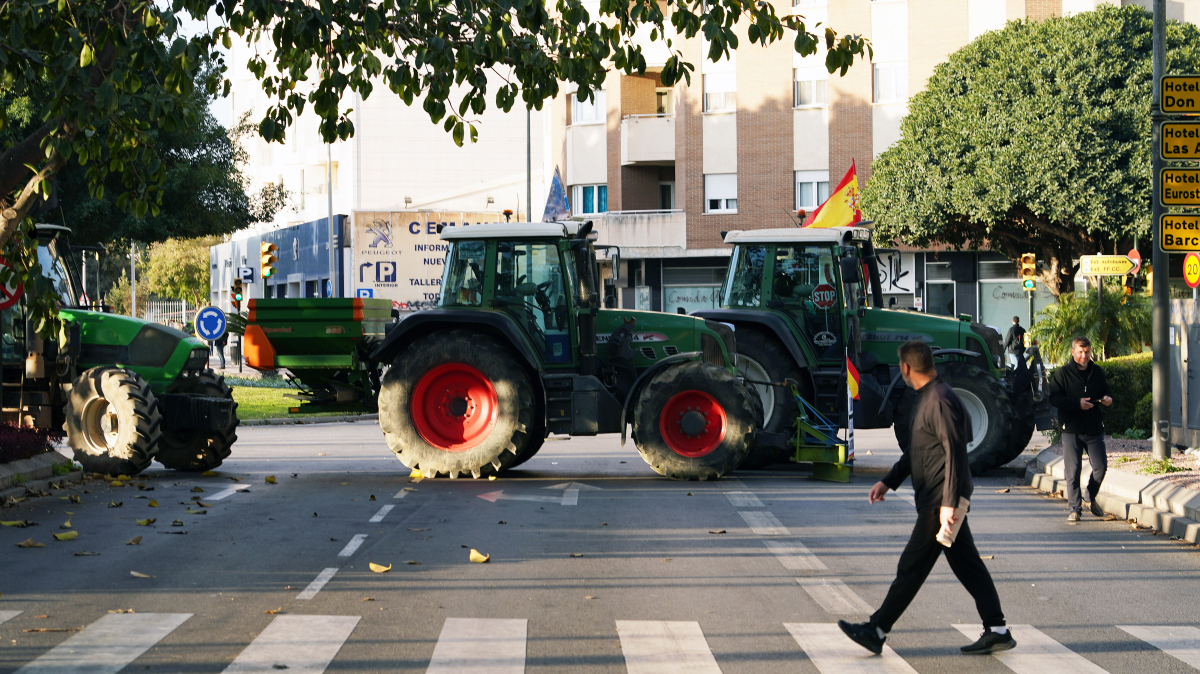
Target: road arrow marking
[
  {"x": 494, "y": 496},
  {"x": 571, "y": 495}
]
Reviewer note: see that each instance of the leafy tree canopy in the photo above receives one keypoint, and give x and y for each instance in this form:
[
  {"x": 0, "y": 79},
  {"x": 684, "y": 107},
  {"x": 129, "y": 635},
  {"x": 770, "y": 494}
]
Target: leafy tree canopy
[
  {"x": 178, "y": 269},
  {"x": 1034, "y": 138}
]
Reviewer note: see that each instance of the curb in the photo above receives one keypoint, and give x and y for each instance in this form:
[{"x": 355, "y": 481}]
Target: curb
[
  {"x": 293, "y": 421},
  {"x": 1149, "y": 501},
  {"x": 38, "y": 473}
]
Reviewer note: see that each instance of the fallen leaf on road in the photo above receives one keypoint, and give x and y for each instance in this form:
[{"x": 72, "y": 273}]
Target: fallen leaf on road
[
  {"x": 413, "y": 563},
  {"x": 411, "y": 529},
  {"x": 372, "y": 498},
  {"x": 136, "y": 540},
  {"x": 295, "y": 475},
  {"x": 491, "y": 477},
  {"x": 115, "y": 504},
  {"x": 202, "y": 504},
  {"x": 279, "y": 666},
  {"x": 67, "y": 524},
  {"x": 479, "y": 558},
  {"x": 409, "y": 489},
  {"x": 589, "y": 597},
  {"x": 116, "y": 483},
  {"x": 501, "y": 522},
  {"x": 322, "y": 454},
  {"x": 689, "y": 493},
  {"x": 717, "y": 531},
  {"x": 85, "y": 553},
  {"x": 74, "y": 498},
  {"x": 987, "y": 556},
  {"x": 29, "y": 543},
  {"x": 273, "y": 612},
  {"x": 153, "y": 503},
  {"x": 1003, "y": 491},
  {"x": 53, "y": 629},
  {"x": 147, "y": 522},
  {"x": 41, "y": 617},
  {"x": 177, "y": 523},
  {"x": 20, "y": 524},
  {"x": 67, "y": 536},
  {"x": 236, "y": 479},
  {"x": 197, "y": 490},
  {"x": 270, "y": 479},
  {"x": 379, "y": 568},
  {"x": 138, "y": 574},
  {"x": 209, "y": 473},
  {"x": 368, "y": 599},
  {"x": 197, "y": 512},
  {"x": 181, "y": 533},
  {"x": 416, "y": 474},
  {"x": 666, "y": 560},
  {"x": 125, "y": 478},
  {"x": 120, "y": 610},
  {"x": 869, "y": 453},
  {"x": 576, "y": 554}
]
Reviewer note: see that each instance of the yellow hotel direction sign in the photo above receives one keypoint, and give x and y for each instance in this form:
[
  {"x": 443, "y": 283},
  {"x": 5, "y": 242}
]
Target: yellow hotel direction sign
[
  {"x": 1179, "y": 232},
  {"x": 1180, "y": 187},
  {"x": 1106, "y": 265},
  {"x": 1180, "y": 94},
  {"x": 1180, "y": 140}
]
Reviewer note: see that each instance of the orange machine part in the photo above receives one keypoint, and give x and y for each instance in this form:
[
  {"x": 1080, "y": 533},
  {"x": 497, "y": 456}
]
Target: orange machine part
[
  {"x": 257, "y": 349},
  {"x": 357, "y": 304}
]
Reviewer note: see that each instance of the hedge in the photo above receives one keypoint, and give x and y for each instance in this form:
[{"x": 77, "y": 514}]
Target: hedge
[
  {"x": 1129, "y": 381},
  {"x": 22, "y": 443}
]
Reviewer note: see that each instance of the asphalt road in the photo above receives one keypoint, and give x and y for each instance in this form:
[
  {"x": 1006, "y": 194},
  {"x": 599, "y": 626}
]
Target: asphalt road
[{"x": 596, "y": 565}]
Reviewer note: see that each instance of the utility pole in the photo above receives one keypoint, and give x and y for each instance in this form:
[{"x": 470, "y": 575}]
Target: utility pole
[
  {"x": 528, "y": 166},
  {"x": 1160, "y": 299},
  {"x": 132, "y": 279},
  {"x": 334, "y": 243}
]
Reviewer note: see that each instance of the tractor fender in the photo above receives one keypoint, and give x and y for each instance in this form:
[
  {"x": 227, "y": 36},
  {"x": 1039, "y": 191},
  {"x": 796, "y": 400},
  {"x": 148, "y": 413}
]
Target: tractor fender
[
  {"x": 421, "y": 323},
  {"x": 767, "y": 321},
  {"x": 627, "y": 408}
]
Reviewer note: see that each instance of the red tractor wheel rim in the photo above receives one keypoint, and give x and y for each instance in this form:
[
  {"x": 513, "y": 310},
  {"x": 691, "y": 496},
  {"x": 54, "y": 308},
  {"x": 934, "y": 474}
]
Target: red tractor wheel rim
[
  {"x": 454, "y": 407},
  {"x": 693, "y": 424}
]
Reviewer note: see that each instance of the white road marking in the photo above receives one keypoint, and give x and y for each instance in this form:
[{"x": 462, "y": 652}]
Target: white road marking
[
  {"x": 832, "y": 652},
  {"x": 835, "y": 596},
  {"x": 479, "y": 646},
  {"x": 352, "y": 545},
  {"x": 382, "y": 513},
  {"x": 763, "y": 523},
  {"x": 1182, "y": 643},
  {"x": 227, "y": 492},
  {"x": 5, "y": 616},
  {"x": 906, "y": 494},
  {"x": 318, "y": 583},
  {"x": 743, "y": 499},
  {"x": 662, "y": 647},
  {"x": 1037, "y": 653},
  {"x": 107, "y": 645},
  {"x": 400, "y": 494},
  {"x": 303, "y": 644},
  {"x": 733, "y": 483},
  {"x": 494, "y": 496},
  {"x": 794, "y": 556}
]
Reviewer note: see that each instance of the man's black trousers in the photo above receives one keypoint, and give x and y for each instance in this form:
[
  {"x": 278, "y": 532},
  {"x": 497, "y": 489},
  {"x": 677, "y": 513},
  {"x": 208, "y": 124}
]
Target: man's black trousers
[
  {"x": 917, "y": 561},
  {"x": 1073, "y": 446}
]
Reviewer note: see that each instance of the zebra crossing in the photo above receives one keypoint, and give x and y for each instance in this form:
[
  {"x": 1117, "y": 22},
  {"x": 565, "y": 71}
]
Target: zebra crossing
[{"x": 309, "y": 644}]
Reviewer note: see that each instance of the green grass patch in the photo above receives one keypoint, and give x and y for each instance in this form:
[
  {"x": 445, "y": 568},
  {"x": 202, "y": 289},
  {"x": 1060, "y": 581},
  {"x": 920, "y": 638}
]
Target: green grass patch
[
  {"x": 269, "y": 403},
  {"x": 1158, "y": 467}
]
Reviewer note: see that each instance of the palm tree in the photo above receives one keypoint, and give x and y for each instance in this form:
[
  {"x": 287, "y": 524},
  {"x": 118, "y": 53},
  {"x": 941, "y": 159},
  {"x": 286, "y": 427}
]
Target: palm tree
[{"x": 1120, "y": 327}]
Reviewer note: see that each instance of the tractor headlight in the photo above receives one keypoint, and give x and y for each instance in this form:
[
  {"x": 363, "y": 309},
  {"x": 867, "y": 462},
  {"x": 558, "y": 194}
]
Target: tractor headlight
[{"x": 197, "y": 360}]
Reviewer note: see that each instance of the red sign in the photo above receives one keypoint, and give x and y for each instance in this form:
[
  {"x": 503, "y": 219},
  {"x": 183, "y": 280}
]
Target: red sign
[
  {"x": 1137, "y": 260},
  {"x": 11, "y": 292},
  {"x": 1191, "y": 270},
  {"x": 824, "y": 296}
]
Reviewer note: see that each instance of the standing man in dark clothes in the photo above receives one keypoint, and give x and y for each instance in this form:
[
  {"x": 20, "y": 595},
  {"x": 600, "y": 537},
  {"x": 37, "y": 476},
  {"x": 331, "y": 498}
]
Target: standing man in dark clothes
[
  {"x": 937, "y": 462},
  {"x": 1014, "y": 341},
  {"x": 1078, "y": 389}
]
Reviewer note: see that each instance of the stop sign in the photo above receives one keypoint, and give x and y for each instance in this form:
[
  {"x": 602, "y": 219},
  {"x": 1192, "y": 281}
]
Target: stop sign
[{"x": 824, "y": 296}]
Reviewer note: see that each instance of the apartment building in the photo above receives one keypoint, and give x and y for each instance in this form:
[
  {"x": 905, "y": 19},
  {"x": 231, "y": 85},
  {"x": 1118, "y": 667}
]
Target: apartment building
[{"x": 664, "y": 170}]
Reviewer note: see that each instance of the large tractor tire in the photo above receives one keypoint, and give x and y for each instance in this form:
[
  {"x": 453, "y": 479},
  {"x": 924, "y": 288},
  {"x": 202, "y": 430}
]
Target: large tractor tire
[
  {"x": 761, "y": 357},
  {"x": 694, "y": 421},
  {"x": 189, "y": 450},
  {"x": 1022, "y": 430},
  {"x": 113, "y": 422},
  {"x": 457, "y": 403},
  {"x": 987, "y": 406}
]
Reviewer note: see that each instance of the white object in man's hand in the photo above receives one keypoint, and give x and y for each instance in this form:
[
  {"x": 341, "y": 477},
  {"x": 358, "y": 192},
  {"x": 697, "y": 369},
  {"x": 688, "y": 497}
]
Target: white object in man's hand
[
  {"x": 877, "y": 492},
  {"x": 946, "y": 514}
]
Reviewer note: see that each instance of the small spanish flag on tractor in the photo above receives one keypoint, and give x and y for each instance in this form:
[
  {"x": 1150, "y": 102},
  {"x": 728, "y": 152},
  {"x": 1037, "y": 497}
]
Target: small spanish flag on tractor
[
  {"x": 841, "y": 208},
  {"x": 852, "y": 378}
]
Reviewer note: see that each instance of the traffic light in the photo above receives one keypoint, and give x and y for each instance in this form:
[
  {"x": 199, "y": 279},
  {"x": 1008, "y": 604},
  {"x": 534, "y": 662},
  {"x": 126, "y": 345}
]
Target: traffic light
[
  {"x": 1029, "y": 271},
  {"x": 268, "y": 259},
  {"x": 235, "y": 294}
]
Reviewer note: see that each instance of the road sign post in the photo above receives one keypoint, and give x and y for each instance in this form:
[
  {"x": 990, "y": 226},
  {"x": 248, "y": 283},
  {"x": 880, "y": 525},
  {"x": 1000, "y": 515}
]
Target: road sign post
[{"x": 1176, "y": 99}]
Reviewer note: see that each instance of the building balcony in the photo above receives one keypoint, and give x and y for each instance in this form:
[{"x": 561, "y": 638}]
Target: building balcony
[
  {"x": 648, "y": 140},
  {"x": 644, "y": 234}
]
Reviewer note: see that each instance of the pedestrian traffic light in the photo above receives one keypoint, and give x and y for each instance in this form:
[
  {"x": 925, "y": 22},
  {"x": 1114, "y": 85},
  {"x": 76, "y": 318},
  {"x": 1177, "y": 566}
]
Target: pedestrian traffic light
[
  {"x": 268, "y": 259},
  {"x": 1029, "y": 271},
  {"x": 235, "y": 294}
]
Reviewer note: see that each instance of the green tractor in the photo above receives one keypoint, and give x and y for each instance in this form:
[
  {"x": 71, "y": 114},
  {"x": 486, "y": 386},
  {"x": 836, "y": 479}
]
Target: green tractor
[
  {"x": 126, "y": 391},
  {"x": 799, "y": 302},
  {"x": 518, "y": 348}
]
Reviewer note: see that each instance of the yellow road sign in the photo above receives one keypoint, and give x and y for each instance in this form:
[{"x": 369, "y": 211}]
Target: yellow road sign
[
  {"x": 1180, "y": 94},
  {"x": 1179, "y": 232},
  {"x": 1180, "y": 140},
  {"x": 1180, "y": 187},
  {"x": 1106, "y": 265}
]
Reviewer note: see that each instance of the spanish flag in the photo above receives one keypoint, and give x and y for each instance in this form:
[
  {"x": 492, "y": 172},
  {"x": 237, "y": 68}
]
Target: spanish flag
[
  {"x": 841, "y": 208},
  {"x": 852, "y": 378}
]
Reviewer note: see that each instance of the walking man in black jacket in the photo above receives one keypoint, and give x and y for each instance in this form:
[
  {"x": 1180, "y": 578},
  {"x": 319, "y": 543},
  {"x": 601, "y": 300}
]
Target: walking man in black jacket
[
  {"x": 1078, "y": 389},
  {"x": 1014, "y": 342},
  {"x": 937, "y": 462}
]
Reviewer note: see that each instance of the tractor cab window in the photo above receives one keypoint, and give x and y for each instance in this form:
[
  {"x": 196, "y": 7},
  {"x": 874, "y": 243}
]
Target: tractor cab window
[
  {"x": 743, "y": 287},
  {"x": 54, "y": 272},
  {"x": 529, "y": 286},
  {"x": 462, "y": 285},
  {"x": 804, "y": 283}
]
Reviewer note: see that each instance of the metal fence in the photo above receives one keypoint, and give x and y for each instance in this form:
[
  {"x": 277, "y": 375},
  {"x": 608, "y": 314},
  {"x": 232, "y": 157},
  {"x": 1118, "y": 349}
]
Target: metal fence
[{"x": 166, "y": 311}]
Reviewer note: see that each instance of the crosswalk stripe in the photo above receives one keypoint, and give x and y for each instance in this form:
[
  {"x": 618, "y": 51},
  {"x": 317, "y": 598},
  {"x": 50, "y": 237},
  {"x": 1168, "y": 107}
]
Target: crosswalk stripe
[
  {"x": 5, "y": 616},
  {"x": 743, "y": 499},
  {"x": 400, "y": 494},
  {"x": 795, "y": 556},
  {"x": 906, "y": 494},
  {"x": 353, "y": 545},
  {"x": 834, "y": 596},
  {"x": 382, "y": 513},
  {"x": 318, "y": 583},
  {"x": 1037, "y": 653},
  {"x": 479, "y": 646},
  {"x": 1182, "y": 643},
  {"x": 107, "y": 645},
  {"x": 664, "y": 647},
  {"x": 831, "y": 652},
  {"x": 763, "y": 523},
  {"x": 227, "y": 492},
  {"x": 302, "y": 644}
]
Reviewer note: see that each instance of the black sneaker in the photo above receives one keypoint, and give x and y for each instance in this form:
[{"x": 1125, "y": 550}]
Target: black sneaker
[
  {"x": 863, "y": 634},
  {"x": 1097, "y": 510},
  {"x": 1074, "y": 516},
  {"x": 990, "y": 642}
]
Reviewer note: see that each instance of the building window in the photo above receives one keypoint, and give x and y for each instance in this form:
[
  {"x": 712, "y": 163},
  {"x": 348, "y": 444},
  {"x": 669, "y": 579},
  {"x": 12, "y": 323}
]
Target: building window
[
  {"x": 807, "y": 90},
  {"x": 891, "y": 82},
  {"x": 591, "y": 111},
  {"x": 812, "y": 189},
  {"x": 664, "y": 101},
  {"x": 720, "y": 193},
  {"x": 720, "y": 92},
  {"x": 666, "y": 196},
  {"x": 589, "y": 199}
]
